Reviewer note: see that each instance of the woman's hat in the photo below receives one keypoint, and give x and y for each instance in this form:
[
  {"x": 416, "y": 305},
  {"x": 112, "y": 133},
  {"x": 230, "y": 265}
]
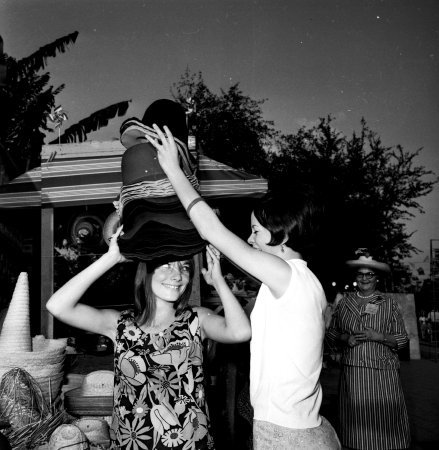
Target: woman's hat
[{"x": 366, "y": 260}]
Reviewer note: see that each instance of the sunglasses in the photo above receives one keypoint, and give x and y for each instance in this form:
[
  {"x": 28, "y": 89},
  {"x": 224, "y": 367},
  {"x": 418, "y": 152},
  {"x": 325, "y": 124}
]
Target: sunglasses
[{"x": 366, "y": 275}]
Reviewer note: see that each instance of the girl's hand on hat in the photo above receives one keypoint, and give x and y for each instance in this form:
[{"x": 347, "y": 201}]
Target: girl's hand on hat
[
  {"x": 167, "y": 151},
  {"x": 213, "y": 273},
  {"x": 113, "y": 248}
]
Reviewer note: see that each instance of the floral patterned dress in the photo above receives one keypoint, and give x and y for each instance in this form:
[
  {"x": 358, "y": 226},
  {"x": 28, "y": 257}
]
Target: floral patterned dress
[{"x": 159, "y": 395}]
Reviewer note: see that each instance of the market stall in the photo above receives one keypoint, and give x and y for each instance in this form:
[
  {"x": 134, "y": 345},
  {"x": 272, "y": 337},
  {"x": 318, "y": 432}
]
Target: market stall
[{"x": 87, "y": 175}]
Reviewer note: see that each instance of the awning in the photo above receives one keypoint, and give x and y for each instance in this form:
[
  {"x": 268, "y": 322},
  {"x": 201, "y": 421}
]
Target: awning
[{"x": 68, "y": 180}]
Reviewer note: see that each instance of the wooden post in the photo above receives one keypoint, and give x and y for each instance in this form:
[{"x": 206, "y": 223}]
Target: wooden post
[
  {"x": 195, "y": 299},
  {"x": 47, "y": 242}
]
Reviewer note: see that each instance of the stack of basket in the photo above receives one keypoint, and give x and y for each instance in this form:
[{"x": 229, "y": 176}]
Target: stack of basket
[{"x": 40, "y": 357}]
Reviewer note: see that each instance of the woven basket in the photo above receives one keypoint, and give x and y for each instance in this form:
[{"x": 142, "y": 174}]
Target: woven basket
[
  {"x": 51, "y": 386},
  {"x": 37, "y": 370},
  {"x": 44, "y": 352}
]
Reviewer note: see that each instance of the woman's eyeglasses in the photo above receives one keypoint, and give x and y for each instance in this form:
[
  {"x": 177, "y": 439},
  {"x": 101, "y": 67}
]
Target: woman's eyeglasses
[{"x": 365, "y": 275}]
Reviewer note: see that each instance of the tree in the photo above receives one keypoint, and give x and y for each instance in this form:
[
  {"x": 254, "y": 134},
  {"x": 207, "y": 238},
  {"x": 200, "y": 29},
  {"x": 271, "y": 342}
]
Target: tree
[
  {"x": 26, "y": 100},
  {"x": 368, "y": 191},
  {"x": 230, "y": 126}
]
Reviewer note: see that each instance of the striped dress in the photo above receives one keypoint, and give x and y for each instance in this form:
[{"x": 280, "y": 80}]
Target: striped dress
[{"x": 373, "y": 414}]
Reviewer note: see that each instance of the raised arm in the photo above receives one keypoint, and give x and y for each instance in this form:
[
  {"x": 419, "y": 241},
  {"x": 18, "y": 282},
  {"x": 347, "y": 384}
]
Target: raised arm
[
  {"x": 235, "y": 325},
  {"x": 63, "y": 304},
  {"x": 269, "y": 269}
]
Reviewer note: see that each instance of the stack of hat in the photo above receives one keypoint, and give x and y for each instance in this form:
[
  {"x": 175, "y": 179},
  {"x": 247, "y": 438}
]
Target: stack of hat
[
  {"x": 156, "y": 225},
  {"x": 40, "y": 357}
]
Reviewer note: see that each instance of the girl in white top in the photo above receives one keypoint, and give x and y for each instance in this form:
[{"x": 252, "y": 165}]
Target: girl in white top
[{"x": 287, "y": 320}]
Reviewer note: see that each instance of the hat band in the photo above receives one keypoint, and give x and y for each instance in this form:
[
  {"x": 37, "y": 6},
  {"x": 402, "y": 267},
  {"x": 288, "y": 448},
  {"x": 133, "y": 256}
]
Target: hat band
[{"x": 146, "y": 189}]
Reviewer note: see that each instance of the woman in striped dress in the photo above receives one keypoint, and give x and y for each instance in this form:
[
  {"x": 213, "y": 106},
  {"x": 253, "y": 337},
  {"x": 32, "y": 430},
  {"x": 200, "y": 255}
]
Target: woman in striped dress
[{"x": 369, "y": 325}]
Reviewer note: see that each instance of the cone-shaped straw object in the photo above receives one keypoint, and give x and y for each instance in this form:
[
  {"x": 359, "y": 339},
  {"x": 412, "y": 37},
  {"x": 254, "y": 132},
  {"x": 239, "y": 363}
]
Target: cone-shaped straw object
[{"x": 15, "y": 333}]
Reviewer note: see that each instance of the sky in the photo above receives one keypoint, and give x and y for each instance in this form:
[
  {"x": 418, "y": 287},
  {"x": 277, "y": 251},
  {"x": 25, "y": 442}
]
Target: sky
[{"x": 353, "y": 59}]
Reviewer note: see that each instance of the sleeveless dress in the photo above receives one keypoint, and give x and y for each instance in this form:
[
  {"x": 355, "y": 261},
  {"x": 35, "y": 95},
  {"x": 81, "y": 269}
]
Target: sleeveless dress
[{"x": 159, "y": 393}]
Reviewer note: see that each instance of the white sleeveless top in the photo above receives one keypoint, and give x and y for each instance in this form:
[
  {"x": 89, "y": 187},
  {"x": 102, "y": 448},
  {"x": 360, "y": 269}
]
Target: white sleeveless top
[{"x": 286, "y": 351}]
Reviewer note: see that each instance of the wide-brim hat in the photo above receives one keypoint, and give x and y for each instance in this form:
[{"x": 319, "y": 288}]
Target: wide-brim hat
[
  {"x": 369, "y": 263},
  {"x": 94, "y": 397},
  {"x": 158, "y": 216}
]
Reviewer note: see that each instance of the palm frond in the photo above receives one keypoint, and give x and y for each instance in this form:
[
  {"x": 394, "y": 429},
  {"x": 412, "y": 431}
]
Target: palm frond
[
  {"x": 38, "y": 59},
  {"x": 78, "y": 132}
]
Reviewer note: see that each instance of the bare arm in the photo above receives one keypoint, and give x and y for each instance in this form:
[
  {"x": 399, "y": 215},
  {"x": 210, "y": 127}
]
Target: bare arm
[
  {"x": 63, "y": 304},
  {"x": 235, "y": 325},
  {"x": 271, "y": 270}
]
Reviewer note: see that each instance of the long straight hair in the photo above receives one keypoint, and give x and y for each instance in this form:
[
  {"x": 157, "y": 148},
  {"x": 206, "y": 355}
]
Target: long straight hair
[{"x": 144, "y": 298}]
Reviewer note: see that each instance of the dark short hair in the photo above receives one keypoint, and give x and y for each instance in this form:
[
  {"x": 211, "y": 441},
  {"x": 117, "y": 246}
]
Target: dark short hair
[
  {"x": 144, "y": 300},
  {"x": 293, "y": 217}
]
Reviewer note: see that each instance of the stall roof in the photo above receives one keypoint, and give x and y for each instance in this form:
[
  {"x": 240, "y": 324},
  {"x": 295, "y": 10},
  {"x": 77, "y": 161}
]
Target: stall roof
[{"x": 89, "y": 173}]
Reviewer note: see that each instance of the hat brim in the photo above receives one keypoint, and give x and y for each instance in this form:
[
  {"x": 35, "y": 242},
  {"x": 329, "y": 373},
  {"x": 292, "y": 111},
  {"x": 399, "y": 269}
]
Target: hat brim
[{"x": 374, "y": 265}]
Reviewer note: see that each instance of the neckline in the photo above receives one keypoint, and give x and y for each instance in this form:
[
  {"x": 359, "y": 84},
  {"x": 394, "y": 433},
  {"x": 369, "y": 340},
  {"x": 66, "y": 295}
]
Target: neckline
[
  {"x": 366, "y": 297},
  {"x": 158, "y": 332}
]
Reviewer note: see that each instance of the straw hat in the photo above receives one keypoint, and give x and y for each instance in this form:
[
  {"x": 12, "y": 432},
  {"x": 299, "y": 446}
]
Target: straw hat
[
  {"x": 15, "y": 333},
  {"x": 42, "y": 358},
  {"x": 68, "y": 436},
  {"x": 97, "y": 431},
  {"x": 99, "y": 382},
  {"x": 365, "y": 260},
  {"x": 94, "y": 397}
]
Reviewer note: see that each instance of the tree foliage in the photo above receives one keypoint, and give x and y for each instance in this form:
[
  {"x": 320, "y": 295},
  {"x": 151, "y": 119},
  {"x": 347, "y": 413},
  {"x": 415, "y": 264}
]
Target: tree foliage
[
  {"x": 368, "y": 191},
  {"x": 230, "y": 126},
  {"x": 78, "y": 132},
  {"x": 27, "y": 99}
]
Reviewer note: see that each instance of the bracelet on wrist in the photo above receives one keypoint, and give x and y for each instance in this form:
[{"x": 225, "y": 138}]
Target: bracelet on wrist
[{"x": 193, "y": 203}]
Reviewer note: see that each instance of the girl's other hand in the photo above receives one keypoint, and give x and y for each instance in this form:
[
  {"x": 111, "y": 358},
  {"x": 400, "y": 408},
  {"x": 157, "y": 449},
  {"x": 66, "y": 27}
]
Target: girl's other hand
[
  {"x": 113, "y": 248},
  {"x": 213, "y": 273}
]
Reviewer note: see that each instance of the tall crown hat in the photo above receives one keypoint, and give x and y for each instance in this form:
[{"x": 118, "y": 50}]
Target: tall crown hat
[
  {"x": 42, "y": 358},
  {"x": 15, "y": 333}
]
